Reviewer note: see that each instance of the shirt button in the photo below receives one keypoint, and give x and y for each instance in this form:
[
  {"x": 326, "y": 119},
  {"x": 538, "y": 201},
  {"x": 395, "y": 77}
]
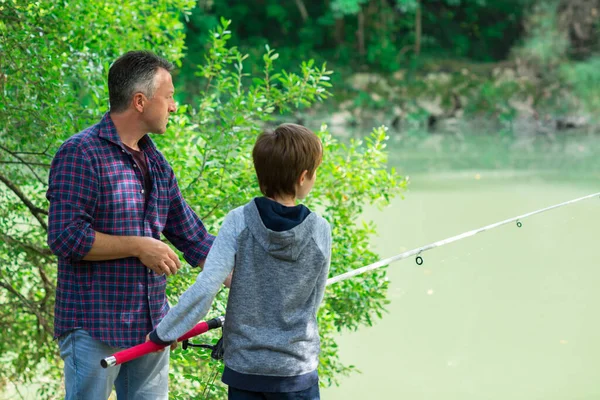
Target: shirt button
[
  {"x": 123, "y": 151},
  {"x": 142, "y": 191},
  {"x": 134, "y": 165}
]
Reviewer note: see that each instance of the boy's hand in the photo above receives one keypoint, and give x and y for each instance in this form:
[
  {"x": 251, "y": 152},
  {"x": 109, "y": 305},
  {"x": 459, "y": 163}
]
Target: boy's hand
[
  {"x": 227, "y": 282},
  {"x": 173, "y": 346}
]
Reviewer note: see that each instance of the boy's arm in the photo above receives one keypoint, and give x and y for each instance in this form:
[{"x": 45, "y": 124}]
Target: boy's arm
[
  {"x": 197, "y": 299},
  {"x": 324, "y": 238}
]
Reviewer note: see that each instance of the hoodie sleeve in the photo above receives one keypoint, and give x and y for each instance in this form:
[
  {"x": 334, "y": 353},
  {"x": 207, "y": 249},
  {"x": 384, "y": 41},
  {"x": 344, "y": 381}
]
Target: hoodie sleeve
[
  {"x": 323, "y": 239},
  {"x": 197, "y": 299}
]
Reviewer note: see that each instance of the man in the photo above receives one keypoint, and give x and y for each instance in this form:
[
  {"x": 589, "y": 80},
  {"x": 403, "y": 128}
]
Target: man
[{"x": 112, "y": 194}]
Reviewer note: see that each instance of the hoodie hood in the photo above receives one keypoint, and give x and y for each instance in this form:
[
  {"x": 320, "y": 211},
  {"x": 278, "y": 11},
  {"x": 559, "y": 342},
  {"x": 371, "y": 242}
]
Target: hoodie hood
[{"x": 284, "y": 245}]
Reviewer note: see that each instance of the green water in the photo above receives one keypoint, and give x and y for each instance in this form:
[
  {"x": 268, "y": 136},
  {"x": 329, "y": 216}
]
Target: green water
[{"x": 508, "y": 314}]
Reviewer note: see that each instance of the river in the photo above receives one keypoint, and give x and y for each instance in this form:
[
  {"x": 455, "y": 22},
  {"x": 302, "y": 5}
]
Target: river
[{"x": 507, "y": 314}]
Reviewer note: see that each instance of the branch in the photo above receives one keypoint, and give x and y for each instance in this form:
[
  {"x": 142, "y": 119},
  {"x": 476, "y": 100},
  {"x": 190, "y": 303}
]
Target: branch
[
  {"x": 17, "y": 385},
  {"x": 579, "y": 33},
  {"x": 37, "y": 117},
  {"x": 204, "y": 160},
  {"x": 11, "y": 17},
  {"x": 302, "y": 9},
  {"x": 418, "y": 30},
  {"x": 360, "y": 33},
  {"x": 404, "y": 50},
  {"x": 35, "y": 211},
  {"x": 22, "y": 161},
  {"x": 218, "y": 205},
  {"x": 39, "y": 250},
  {"x": 191, "y": 27},
  {"x": 28, "y": 304},
  {"x": 48, "y": 284},
  {"x": 32, "y": 153},
  {"x": 27, "y": 163},
  {"x": 43, "y": 252}
]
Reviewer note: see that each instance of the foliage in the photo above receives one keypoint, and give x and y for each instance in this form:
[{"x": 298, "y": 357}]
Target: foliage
[
  {"x": 347, "y": 7},
  {"x": 560, "y": 46},
  {"x": 482, "y": 30},
  {"x": 584, "y": 78},
  {"x": 375, "y": 33},
  {"x": 545, "y": 44},
  {"x": 53, "y": 60},
  {"x": 216, "y": 175},
  {"x": 539, "y": 38},
  {"x": 55, "y": 85}
]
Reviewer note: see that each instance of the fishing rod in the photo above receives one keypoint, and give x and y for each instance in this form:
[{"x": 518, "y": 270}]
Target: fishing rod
[
  {"x": 418, "y": 251},
  {"x": 150, "y": 347},
  {"x": 202, "y": 327}
]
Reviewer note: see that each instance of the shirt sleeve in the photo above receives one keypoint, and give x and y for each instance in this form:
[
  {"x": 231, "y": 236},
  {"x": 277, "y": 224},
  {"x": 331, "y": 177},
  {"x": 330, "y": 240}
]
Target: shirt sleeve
[
  {"x": 72, "y": 193},
  {"x": 185, "y": 229},
  {"x": 195, "y": 302}
]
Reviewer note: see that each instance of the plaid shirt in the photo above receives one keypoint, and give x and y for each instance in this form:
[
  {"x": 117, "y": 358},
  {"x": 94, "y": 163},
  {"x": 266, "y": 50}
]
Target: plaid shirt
[{"x": 94, "y": 185}]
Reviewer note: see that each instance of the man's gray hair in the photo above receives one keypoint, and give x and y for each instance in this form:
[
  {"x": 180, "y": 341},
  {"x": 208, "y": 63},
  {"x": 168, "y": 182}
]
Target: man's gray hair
[{"x": 132, "y": 73}]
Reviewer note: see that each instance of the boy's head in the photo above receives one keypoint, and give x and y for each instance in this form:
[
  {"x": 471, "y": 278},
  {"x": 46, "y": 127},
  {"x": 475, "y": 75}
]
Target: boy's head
[{"x": 286, "y": 161}]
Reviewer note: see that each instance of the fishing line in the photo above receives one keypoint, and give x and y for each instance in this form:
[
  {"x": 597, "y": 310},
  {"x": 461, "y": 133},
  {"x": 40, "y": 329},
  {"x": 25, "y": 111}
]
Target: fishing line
[{"x": 418, "y": 251}]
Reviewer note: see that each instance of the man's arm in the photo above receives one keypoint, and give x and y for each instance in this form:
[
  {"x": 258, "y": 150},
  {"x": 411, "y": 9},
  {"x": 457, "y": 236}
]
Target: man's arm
[
  {"x": 153, "y": 253},
  {"x": 185, "y": 229},
  {"x": 72, "y": 192}
]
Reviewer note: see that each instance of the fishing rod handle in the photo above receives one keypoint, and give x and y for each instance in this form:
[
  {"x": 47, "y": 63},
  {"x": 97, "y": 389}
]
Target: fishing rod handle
[{"x": 134, "y": 352}]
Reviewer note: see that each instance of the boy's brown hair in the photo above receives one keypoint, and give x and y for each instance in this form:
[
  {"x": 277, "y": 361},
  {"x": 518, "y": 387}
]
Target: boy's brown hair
[{"x": 282, "y": 155}]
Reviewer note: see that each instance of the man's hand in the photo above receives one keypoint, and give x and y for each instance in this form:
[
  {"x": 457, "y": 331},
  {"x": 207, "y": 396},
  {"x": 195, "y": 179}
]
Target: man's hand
[
  {"x": 173, "y": 346},
  {"x": 157, "y": 256}
]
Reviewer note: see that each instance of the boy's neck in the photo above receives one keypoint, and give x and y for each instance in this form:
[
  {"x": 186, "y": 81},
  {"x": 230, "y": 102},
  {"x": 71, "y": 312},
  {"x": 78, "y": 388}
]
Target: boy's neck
[{"x": 288, "y": 201}]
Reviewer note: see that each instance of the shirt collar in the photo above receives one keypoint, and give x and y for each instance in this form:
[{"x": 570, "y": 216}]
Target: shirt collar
[{"x": 108, "y": 131}]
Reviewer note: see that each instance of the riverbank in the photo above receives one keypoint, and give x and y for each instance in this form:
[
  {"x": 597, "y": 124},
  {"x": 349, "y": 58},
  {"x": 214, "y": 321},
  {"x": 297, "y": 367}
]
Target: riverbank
[{"x": 451, "y": 96}]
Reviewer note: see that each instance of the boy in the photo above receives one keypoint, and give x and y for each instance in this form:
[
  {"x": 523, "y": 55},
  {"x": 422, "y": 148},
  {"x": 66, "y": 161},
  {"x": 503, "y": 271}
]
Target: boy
[{"x": 279, "y": 253}]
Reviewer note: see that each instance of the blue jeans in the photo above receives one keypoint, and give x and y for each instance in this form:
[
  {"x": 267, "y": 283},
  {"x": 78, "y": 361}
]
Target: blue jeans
[
  {"x": 312, "y": 393},
  {"x": 145, "y": 378}
]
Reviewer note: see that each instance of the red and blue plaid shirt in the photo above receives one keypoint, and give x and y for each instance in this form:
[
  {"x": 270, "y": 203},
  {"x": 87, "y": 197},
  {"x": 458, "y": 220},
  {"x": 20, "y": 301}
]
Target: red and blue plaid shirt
[{"x": 94, "y": 185}]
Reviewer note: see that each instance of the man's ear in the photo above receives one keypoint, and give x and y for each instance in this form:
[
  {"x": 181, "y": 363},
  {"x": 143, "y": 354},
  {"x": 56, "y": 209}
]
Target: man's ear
[{"x": 139, "y": 102}]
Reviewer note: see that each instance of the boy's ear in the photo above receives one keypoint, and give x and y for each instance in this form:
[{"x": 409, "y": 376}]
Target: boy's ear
[{"x": 302, "y": 177}]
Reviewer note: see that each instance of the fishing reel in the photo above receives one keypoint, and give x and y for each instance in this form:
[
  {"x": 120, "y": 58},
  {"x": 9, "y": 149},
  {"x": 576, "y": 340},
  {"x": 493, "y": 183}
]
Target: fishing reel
[{"x": 216, "y": 350}]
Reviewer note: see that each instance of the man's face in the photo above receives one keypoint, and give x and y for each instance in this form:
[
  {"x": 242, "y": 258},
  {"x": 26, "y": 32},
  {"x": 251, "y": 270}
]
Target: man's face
[{"x": 162, "y": 104}]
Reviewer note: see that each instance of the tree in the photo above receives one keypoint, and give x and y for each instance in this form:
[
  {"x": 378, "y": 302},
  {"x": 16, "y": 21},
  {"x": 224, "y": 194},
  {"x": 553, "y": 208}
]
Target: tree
[
  {"x": 579, "y": 19},
  {"x": 379, "y": 34},
  {"x": 53, "y": 60},
  {"x": 55, "y": 85}
]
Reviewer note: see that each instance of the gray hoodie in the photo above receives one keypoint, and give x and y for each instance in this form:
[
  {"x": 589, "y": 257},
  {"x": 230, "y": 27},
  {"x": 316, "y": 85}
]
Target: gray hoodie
[{"x": 279, "y": 278}]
